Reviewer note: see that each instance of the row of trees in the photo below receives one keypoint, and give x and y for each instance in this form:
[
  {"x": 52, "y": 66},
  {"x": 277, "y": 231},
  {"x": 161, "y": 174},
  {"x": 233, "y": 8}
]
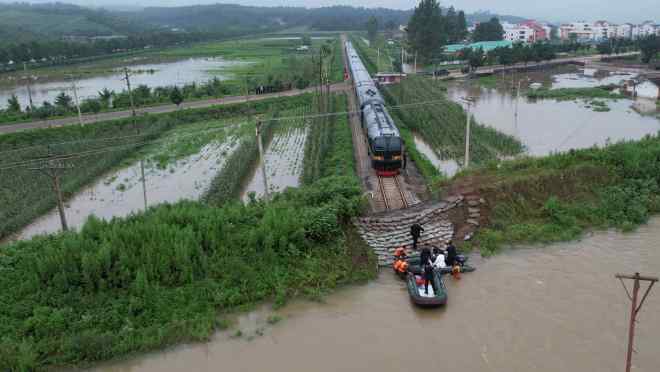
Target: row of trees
[
  {"x": 53, "y": 51},
  {"x": 429, "y": 29}
]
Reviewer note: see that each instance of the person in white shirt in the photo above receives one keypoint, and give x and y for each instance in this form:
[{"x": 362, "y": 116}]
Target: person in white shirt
[{"x": 439, "y": 259}]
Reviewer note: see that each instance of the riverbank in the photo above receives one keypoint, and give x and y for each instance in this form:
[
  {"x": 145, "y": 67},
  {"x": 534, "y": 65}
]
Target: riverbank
[
  {"x": 559, "y": 197},
  {"x": 533, "y": 309}
]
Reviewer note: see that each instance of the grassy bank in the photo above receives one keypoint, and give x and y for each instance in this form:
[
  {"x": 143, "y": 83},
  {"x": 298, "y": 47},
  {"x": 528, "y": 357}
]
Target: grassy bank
[
  {"x": 170, "y": 275},
  {"x": 569, "y": 94},
  {"x": 26, "y": 194},
  {"x": 441, "y": 122},
  {"x": 555, "y": 198}
]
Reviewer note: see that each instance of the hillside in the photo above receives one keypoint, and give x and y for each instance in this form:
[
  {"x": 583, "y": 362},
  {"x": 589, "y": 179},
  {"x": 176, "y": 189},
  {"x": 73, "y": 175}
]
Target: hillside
[{"x": 27, "y": 22}]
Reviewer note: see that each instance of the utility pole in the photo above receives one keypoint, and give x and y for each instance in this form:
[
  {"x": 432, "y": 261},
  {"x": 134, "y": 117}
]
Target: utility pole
[
  {"x": 75, "y": 96},
  {"x": 378, "y": 62},
  {"x": 634, "y": 307},
  {"x": 415, "y": 67},
  {"x": 52, "y": 167},
  {"x": 134, "y": 116},
  {"x": 515, "y": 114},
  {"x": 263, "y": 159},
  {"x": 29, "y": 89},
  {"x": 469, "y": 101}
]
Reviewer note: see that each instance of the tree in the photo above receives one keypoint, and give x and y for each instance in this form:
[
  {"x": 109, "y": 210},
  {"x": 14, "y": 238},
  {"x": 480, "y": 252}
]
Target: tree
[
  {"x": 649, "y": 46},
  {"x": 489, "y": 31},
  {"x": 105, "y": 96},
  {"x": 604, "y": 47},
  {"x": 176, "y": 96},
  {"x": 306, "y": 40},
  {"x": 13, "y": 105},
  {"x": 91, "y": 105},
  {"x": 461, "y": 26},
  {"x": 372, "y": 29},
  {"x": 451, "y": 25},
  {"x": 63, "y": 101},
  {"x": 425, "y": 30}
]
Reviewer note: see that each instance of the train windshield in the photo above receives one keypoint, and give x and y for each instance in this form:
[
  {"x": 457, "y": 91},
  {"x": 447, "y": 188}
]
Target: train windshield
[{"x": 387, "y": 146}]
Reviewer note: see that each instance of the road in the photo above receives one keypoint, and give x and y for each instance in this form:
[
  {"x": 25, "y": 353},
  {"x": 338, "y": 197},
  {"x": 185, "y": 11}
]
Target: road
[
  {"x": 90, "y": 118},
  {"x": 500, "y": 68}
]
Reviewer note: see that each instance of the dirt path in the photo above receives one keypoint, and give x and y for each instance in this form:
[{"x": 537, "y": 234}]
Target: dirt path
[{"x": 90, "y": 118}]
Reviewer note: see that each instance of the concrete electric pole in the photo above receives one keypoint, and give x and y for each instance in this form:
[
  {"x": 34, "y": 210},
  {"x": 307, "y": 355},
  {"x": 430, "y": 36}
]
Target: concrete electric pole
[{"x": 634, "y": 310}]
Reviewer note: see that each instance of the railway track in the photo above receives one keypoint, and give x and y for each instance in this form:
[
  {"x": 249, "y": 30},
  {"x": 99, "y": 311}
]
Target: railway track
[{"x": 391, "y": 194}]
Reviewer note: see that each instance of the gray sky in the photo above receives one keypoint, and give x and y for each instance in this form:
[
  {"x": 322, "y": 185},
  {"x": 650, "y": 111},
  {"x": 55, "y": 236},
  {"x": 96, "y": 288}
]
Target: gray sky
[{"x": 553, "y": 10}]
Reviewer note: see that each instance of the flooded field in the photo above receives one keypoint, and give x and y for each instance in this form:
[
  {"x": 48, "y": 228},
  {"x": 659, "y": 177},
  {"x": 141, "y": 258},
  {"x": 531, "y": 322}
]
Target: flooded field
[
  {"x": 546, "y": 126},
  {"x": 120, "y": 193},
  {"x": 448, "y": 167},
  {"x": 153, "y": 75},
  {"x": 557, "y": 308},
  {"x": 284, "y": 161}
]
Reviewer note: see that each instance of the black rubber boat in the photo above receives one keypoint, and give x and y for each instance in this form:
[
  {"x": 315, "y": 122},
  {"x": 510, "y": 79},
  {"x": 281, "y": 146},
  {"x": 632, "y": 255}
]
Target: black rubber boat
[{"x": 434, "y": 298}]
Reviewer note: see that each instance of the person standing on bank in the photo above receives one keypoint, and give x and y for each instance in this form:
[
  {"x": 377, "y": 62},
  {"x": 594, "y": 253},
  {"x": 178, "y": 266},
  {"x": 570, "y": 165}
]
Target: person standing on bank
[
  {"x": 416, "y": 231},
  {"x": 450, "y": 257}
]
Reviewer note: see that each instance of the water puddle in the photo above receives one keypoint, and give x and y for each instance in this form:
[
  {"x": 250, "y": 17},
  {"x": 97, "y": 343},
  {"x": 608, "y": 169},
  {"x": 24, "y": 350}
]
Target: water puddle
[
  {"x": 198, "y": 70},
  {"x": 546, "y": 126},
  {"x": 284, "y": 161},
  {"x": 448, "y": 167},
  {"x": 557, "y": 308},
  {"x": 120, "y": 193}
]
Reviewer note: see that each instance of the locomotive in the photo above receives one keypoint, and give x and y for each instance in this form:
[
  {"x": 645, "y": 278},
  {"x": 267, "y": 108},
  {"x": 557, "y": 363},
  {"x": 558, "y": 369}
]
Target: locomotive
[{"x": 385, "y": 145}]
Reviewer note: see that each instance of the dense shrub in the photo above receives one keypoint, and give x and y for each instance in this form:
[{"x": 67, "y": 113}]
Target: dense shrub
[{"x": 136, "y": 283}]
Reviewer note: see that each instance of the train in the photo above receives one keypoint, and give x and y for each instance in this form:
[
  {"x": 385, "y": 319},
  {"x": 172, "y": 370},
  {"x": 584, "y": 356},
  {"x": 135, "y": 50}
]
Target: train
[{"x": 386, "y": 149}]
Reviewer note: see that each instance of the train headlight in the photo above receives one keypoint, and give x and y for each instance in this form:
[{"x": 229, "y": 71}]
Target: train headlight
[
  {"x": 380, "y": 158},
  {"x": 396, "y": 157}
]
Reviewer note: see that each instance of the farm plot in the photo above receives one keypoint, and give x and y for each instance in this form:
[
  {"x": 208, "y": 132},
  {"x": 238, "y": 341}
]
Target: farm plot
[
  {"x": 181, "y": 165},
  {"x": 283, "y": 158},
  {"x": 441, "y": 123}
]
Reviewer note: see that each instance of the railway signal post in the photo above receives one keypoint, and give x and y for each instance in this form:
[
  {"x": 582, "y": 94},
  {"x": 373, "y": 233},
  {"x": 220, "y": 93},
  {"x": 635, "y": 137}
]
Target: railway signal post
[{"x": 634, "y": 307}]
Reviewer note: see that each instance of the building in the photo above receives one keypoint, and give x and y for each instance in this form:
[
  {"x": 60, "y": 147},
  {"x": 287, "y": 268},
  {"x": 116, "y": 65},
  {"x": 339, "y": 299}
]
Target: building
[
  {"x": 541, "y": 30},
  {"x": 384, "y": 78},
  {"x": 643, "y": 30},
  {"x": 624, "y": 31},
  {"x": 518, "y": 33},
  {"x": 580, "y": 31},
  {"x": 603, "y": 30}
]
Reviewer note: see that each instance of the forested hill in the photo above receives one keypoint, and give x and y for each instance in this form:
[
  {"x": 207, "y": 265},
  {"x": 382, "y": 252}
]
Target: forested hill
[
  {"x": 26, "y": 22},
  {"x": 220, "y": 17}
]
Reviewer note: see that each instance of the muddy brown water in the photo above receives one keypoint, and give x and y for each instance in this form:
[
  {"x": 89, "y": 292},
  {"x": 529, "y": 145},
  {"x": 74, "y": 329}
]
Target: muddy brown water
[
  {"x": 546, "y": 126},
  {"x": 448, "y": 167},
  {"x": 557, "y": 308}
]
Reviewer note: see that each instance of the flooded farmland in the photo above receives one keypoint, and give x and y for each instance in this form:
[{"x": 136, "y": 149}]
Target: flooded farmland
[
  {"x": 448, "y": 167},
  {"x": 154, "y": 75},
  {"x": 557, "y": 308},
  {"x": 283, "y": 160},
  {"x": 546, "y": 126},
  {"x": 120, "y": 192}
]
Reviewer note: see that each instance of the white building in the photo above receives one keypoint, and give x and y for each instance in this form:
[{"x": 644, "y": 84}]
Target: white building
[
  {"x": 603, "y": 30},
  {"x": 645, "y": 29},
  {"x": 624, "y": 31},
  {"x": 519, "y": 34},
  {"x": 581, "y": 31}
]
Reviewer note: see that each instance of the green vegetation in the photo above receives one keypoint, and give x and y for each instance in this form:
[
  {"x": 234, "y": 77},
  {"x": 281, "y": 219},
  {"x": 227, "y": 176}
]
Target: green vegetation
[
  {"x": 441, "y": 123},
  {"x": 22, "y": 204},
  {"x": 329, "y": 145},
  {"x": 170, "y": 274},
  {"x": 429, "y": 29},
  {"x": 569, "y": 94},
  {"x": 388, "y": 61},
  {"x": 541, "y": 200}
]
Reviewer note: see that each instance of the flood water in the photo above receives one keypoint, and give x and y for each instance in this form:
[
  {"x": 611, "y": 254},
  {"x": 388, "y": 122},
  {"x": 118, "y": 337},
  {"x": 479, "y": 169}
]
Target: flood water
[
  {"x": 557, "y": 308},
  {"x": 120, "y": 193},
  {"x": 198, "y": 70},
  {"x": 284, "y": 161},
  {"x": 448, "y": 167},
  {"x": 548, "y": 125}
]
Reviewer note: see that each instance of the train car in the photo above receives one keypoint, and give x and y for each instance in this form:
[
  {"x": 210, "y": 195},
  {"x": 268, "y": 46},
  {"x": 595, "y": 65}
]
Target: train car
[{"x": 384, "y": 141}]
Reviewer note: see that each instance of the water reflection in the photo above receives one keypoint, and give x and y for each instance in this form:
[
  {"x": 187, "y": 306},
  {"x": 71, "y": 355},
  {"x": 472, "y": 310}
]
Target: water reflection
[
  {"x": 546, "y": 126},
  {"x": 191, "y": 70}
]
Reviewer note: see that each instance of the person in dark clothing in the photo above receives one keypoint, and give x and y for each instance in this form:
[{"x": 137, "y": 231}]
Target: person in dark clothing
[
  {"x": 450, "y": 258},
  {"x": 425, "y": 257},
  {"x": 416, "y": 230},
  {"x": 428, "y": 278}
]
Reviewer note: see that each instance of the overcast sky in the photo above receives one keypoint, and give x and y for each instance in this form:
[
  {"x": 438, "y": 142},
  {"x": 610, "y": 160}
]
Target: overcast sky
[{"x": 552, "y": 10}]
